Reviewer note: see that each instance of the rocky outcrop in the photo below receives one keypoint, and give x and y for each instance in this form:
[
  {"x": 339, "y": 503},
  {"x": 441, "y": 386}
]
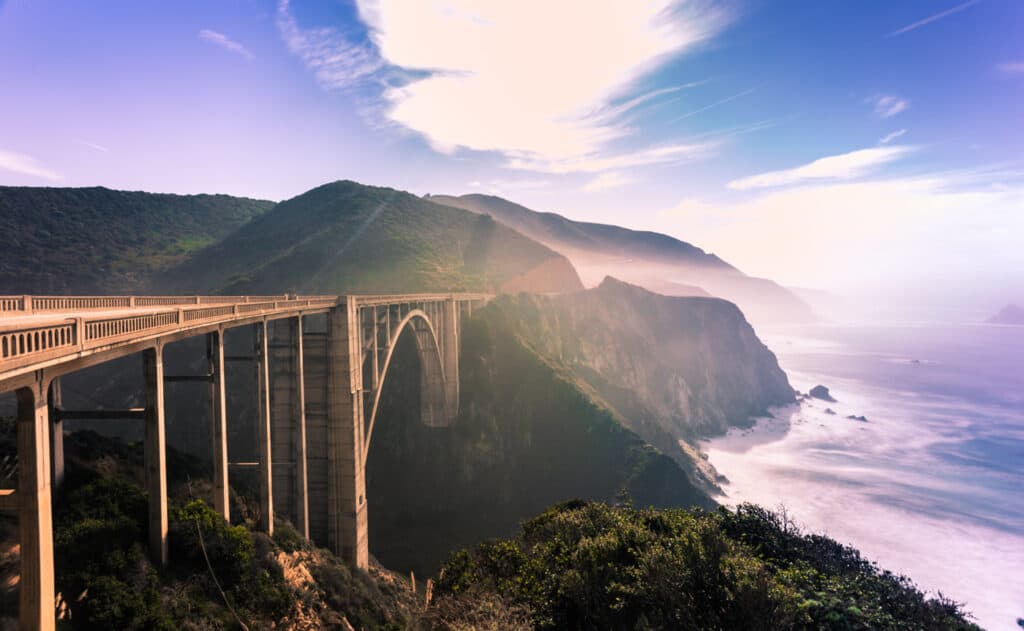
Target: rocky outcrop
[{"x": 821, "y": 392}]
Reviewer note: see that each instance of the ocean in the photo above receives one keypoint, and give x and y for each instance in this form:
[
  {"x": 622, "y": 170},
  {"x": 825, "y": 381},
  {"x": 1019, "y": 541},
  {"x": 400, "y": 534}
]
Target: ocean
[{"x": 931, "y": 485}]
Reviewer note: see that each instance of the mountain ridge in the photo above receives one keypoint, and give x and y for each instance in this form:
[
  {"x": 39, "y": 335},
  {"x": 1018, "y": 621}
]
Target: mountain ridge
[{"x": 648, "y": 259}]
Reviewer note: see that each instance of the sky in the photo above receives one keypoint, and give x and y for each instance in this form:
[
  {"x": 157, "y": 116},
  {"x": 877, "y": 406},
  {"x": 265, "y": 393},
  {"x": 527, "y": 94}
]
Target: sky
[{"x": 869, "y": 146}]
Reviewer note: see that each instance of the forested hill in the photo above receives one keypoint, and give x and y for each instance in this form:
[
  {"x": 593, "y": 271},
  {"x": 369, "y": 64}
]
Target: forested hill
[
  {"x": 347, "y": 237},
  {"x": 337, "y": 238},
  {"x": 98, "y": 240}
]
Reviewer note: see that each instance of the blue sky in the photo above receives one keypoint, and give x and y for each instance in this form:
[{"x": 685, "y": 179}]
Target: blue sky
[{"x": 820, "y": 143}]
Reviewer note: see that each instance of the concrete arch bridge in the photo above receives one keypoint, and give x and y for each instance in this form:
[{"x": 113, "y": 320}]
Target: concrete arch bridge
[{"x": 310, "y": 452}]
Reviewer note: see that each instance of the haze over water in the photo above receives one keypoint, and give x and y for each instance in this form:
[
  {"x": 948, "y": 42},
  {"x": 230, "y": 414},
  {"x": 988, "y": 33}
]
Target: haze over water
[{"x": 931, "y": 485}]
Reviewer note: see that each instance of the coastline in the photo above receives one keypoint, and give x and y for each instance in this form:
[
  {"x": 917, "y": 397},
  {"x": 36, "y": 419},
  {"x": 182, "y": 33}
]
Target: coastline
[{"x": 915, "y": 487}]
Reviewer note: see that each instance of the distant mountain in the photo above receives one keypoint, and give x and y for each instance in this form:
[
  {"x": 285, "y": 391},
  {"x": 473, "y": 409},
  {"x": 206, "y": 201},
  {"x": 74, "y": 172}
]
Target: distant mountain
[
  {"x": 1010, "y": 314},
  {"x": 652, "y": 260},
  {"x": 97, "y": 240},
  {"x": 348, "y": 237}
]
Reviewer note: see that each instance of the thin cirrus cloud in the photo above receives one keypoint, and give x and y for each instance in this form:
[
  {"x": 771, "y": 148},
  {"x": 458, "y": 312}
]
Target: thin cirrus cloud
[
  {"x": 844, "y": 166},
  {"x": 26, "y": 165},
  {"x": 887, "y": 106},
  {"x": 326, "y": 52},
  {"x": 891, "y": 136},
  {"x": 932, "y": 18},
  {"x": 666, "y": 154},
  {"x": 92, "y": 145},
  {"x": 225, "y": 42},
  {"x": 551, "y": 101}
]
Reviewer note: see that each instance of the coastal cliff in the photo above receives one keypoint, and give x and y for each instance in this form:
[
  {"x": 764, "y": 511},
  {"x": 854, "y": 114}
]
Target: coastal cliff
[{"x": 669, "y": 366}]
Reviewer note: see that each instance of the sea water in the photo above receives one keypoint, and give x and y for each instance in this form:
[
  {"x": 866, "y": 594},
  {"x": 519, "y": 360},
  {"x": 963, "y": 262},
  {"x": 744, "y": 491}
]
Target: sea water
[{"x": 931, "y": 485}]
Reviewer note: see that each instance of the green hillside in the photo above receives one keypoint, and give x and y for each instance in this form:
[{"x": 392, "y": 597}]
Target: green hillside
[
  {"x": 97, "y": 240},
  {"x": 347, "y": 237}
]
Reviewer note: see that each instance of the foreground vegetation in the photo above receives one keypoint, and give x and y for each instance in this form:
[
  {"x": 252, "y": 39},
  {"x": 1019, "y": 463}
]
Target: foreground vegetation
[
  {"x": 579, "y": 565},
  {"x": 587, "y": 565}
]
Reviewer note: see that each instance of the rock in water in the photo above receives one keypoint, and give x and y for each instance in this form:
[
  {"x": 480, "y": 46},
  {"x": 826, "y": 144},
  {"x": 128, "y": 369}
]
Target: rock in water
[{"x": 821, "y": 392}]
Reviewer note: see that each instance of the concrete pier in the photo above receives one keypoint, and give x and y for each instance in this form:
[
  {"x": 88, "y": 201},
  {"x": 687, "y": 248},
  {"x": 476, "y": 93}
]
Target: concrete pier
[
  {"x": 36, "y": 603},
  {"x": 155, "y": 449}
]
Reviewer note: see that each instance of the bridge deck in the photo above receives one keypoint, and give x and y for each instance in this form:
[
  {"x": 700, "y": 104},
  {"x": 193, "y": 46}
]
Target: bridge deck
[{"x": 44, "y": 331}]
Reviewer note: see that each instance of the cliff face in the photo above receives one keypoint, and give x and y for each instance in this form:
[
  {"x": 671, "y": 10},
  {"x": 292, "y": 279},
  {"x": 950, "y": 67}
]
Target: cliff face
[
  {"x": 671, "y": 367},
  {"x": 528, "y": 435}
]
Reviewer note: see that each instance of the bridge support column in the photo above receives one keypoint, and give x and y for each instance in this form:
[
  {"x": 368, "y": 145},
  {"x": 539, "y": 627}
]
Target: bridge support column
[
  {"x": 57, "y": 434},
  {"x": 36, "y": 606},
  {"x": 155, "y": 453},
  {"x": 288, "y": 422},
  {"x": 301, "y": 470},
  {"x": 219, "y": 420},
  {"x": 450, "y": 350},
  {"x": 263, "y": 436},
  {"x": 346, "y": 469}
]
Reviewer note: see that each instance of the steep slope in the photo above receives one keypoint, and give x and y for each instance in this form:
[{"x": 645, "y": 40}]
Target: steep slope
[
  {"x": 672, "y": 368},
  {"x": 347, "y": 237},
  {"x": 649, "y": 259},
  {"x": 97, "y": 240},
  {"x": 528, "y": 434}
]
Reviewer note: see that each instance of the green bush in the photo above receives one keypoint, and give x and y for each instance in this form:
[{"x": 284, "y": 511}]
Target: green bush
[
  {"x": 587, "y": 565},
  {"x": 242, "y": 562}
]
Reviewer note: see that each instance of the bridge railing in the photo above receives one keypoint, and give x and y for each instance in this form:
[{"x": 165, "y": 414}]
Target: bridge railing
[
  {"x": 42, "y": 304},
  {"x": 370, "y": 300},
  {"x": 23, "y": 343}
]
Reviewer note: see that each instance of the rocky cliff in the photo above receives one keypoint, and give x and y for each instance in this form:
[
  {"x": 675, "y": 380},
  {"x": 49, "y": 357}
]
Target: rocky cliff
[{"x": 671, "y": 367}]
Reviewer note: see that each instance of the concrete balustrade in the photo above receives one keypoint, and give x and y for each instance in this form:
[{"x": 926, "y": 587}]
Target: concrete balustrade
[{"x": 319, "y": 463}]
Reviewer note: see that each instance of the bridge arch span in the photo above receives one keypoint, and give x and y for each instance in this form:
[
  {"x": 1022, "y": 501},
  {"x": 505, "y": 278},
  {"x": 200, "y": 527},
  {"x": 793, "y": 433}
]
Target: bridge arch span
[{"x": 435, "y": 411}]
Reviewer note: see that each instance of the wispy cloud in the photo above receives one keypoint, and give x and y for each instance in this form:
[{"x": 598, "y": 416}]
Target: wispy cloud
[
  {"x": 887, "y": 106},
  {"x": 334, "y": 59},
  {"x": 25, "y": 165},
  {"x": 839, "y": 167},
  {"x": 505, "y": 186},
  {"x": 554, "y": 98},
  {"x": 1011, "y": 67},
  {"x": 677, "y": 153},
  {"x": 938, "y": 16},
  {"x": 606, "y": 181},
  {"x": 892, "y": 136},
  {"x": 92, "y": 145},
  {"x": 713, "y": 105},
  {"x": 225, "y": 42}
]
